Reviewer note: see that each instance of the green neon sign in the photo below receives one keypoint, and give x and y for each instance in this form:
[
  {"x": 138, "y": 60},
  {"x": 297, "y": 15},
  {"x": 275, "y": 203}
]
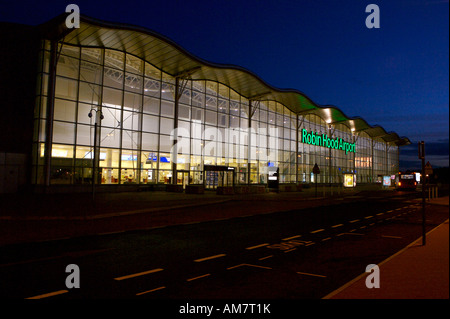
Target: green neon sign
[{"x": 323, "y": 140}]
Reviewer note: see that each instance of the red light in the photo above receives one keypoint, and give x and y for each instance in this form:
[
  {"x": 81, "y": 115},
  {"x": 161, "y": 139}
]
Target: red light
[{"x": 399, "y": 183}]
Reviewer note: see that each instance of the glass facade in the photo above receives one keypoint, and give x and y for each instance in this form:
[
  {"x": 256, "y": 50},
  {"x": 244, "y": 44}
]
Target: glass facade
[{"x": 119, "y": 116}]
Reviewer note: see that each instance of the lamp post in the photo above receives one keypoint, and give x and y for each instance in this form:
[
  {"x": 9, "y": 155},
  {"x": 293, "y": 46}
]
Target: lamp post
[{"x": 99, "y": 116}]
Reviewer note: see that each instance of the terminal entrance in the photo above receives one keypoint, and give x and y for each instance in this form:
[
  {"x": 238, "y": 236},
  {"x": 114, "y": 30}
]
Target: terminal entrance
[
  {"x": 183, "y": 178},
  {"x": 218, "y": 176}
]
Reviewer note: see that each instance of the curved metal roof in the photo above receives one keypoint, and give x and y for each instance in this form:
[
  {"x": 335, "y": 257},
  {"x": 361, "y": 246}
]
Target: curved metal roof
[{"x": 169, "y": 57}]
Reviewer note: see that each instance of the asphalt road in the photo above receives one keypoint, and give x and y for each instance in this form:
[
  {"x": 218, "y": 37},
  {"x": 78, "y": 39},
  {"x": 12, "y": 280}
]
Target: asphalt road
[{"x": 287, "y": 255}]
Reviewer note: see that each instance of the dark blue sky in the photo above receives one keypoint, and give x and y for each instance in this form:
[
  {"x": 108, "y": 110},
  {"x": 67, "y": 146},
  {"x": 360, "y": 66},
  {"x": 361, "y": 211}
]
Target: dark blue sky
[{"x": 396, "y": 76}]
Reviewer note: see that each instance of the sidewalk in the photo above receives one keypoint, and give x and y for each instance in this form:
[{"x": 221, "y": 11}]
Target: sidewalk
[{"x": 416, "y": 272}]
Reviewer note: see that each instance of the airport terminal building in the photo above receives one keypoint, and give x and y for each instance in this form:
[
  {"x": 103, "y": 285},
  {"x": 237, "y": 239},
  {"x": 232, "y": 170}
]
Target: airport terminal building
[{"x": 124, "y": 107}]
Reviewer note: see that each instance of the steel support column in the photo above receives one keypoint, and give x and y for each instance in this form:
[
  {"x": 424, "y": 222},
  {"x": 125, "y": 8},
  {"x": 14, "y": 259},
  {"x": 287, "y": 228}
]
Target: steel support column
[
  {"x": 50, "y": 111},
  {"x": 174, "y": 154}
]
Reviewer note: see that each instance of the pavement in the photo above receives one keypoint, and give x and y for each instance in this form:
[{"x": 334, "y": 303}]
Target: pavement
[{"x": 416, "y": 272}]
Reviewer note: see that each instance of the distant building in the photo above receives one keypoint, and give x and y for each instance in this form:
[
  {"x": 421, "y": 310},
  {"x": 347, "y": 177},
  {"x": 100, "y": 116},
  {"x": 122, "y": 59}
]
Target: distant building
[{"x": 125, "y": 107}]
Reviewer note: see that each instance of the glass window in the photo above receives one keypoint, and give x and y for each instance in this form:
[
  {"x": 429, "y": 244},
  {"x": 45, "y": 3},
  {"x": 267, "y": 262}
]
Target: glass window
[
  {"x": 152, "y": 72},
  {"x": 110, "y": 137},
  {"x": 133, "y": 82},
  {"x": 151, "y": 105},
  {"x": 165, "y": 143},
  {"x": 167, "y": 91},
  {"x": 167, "y": 108},
  {"x": 90, "y": 72},
  {"x": 89, "y": 93},
  {"x": 69, "y": 50},
  {"x": 150, "y": 142},
  {"x": 134, "y": 64},
  {"x": 65, "y": 110},
  {"x": 166, "y": 126},
  {"x": 67, "y": 67},
  {"x": 113, "y": 78},
  {"x": 63, "y": 132},
  {"x": 152, "y": 87},
  {"x": 112, "y": 97},
  {"x": 150, "y": 123},
  {"x": 91, "y": 54},
  {"x": 211, "y": 117},
  {"x": 65, "y": 88},
  {"x": 132, "y": 101},
  {"x": 114, "y": 59},
  {"x": 111, "y": 117},
  {"x": 184, "y": 112},
  {"x": 130, "y": 139},
  {"x": 131, "y": 120},
  {"x": 85, "y": 134},
  {"x": 197, "y": 114},
  {"x": 109, "y": 157}
]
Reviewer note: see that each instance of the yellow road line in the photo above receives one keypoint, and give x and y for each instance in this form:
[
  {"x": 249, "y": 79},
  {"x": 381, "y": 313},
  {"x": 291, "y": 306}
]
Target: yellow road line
[
  {"x": 205, "y": 275},
  {"x": 50, "y": 294},
  {"x": 208, "y": 258},
  {"x": 317, "y": 231},
  {"x": 355, "y": 220},
  {"x": 139, "y": 274},
  {"x": 146, "y": 292},
  {"x": 240, "y": 265},
  {"x": 308, "y": 274},
  {"x": 289, "y": 238},
  {"x": 338, "y": 225},
  {"x": 257, "y": 246},
  {"x": 367, "y": 217},
  {"x": 262, "y": 258}
]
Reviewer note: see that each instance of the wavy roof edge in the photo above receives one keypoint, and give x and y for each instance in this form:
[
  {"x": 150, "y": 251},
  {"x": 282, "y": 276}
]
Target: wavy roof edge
[{"x": 176, "y": 61}]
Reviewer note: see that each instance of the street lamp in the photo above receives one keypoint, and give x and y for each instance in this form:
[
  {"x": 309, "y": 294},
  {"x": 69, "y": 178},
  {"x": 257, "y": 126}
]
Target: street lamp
[{"x": 99, "y": 116}]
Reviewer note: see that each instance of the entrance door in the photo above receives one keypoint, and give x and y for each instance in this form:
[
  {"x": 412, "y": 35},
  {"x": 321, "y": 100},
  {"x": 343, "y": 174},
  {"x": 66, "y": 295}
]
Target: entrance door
[{"x": 183, "y": 178}]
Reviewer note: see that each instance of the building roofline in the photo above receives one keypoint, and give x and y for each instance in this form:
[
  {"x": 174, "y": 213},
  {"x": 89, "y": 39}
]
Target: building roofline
[{"x": 240, "y": 79}]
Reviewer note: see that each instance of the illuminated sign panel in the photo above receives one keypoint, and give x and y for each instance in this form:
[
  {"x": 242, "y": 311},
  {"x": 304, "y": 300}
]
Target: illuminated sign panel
[{"x": 323, "y": 140}]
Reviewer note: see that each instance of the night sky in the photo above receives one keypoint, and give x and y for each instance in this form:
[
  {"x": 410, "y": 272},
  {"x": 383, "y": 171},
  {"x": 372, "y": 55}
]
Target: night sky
[{"x": 396, "y": 76}]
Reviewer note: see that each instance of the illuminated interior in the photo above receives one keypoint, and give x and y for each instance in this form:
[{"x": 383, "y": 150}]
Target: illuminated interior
[{"x": 216, "y": 125}]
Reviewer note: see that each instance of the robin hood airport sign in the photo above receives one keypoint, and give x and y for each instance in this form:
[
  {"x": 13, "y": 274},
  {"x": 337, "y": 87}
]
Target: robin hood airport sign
[{"x": 323, "y": 140}]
